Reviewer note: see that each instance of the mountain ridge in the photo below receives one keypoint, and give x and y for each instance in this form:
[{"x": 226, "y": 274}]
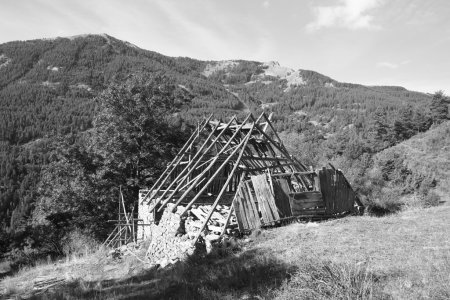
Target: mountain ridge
[{"x": 108, "y": 39}]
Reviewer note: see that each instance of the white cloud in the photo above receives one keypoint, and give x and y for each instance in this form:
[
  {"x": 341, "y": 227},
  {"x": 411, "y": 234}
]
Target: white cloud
[
  {"x": 266, "y": 4},
  {"x": 350, "y": 14},
  {"x": 389, "y": 65}
]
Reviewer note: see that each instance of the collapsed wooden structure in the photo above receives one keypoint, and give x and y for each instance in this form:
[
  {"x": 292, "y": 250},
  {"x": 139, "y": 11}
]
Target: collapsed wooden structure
[{"x": 245, "y": 164}]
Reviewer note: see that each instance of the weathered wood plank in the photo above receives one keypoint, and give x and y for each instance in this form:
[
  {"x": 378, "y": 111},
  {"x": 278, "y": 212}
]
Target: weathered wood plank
[
  {"x": 338, "y": 193},
  {"x": 292, "y": 173},
  {"x": 247, "y": 207},
  {"x": 262, "y": 209},
  {"x": 351, "y": 196},
  {"x": 251, "y": 199},
  {"x": 237, "y": 210},
  {"x": 281, "y": 191},
  {"x": 260, "y": 195},
  {"x": 298, "y": 206},
  {"x": 347, "y": 196},
  {"x": 320, "y": 210},
  {"x": 268, "y": 185},
  {"x": 342, "y": 194},
  {"x": 332, "y": 179},
  {"x": 264, "y": 195},
  {"x": 286, "y": 186},
  {"x": 306, "y": 200},
  {"x": 244, "y": 211},
  {"x": 307, "y": 196},
  {"x": 316, "y": 183},
  {"x": 324, "y": 187}
]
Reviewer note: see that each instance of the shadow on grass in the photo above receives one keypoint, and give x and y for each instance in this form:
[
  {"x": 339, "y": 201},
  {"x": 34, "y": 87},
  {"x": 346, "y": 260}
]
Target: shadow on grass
[{"x": 216, "y": 276}]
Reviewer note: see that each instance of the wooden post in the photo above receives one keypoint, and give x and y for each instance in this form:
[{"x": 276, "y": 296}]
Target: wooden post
[
  {"x": 232, "y": 203},
  {"x": 317, "y": 181},
  {"x": 228, "y": 218},
  {"x": 123, "y": 204}
]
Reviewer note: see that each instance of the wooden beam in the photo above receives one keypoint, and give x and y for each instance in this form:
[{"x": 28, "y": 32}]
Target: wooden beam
[
  {"x": 292, "y": 173},
  {"x": 266, "y": 158},
  {"x": 210, "y": 166},
  {"x": 188, "y": 168},
  {"x": 300, "y": 179},
  {"x": 266, "y": 167},
  {"x": 212, "y": 178},
  {"x": 171, "y": 166},
  {"x": 266, "y": 124},
  {"x": 241, "y": 180},
  {"x": 193, "y": 167},
  {"x": 279, "y": 146},
  {"x": 224, "y": 187},
  {"x": 228, "y": 218}
]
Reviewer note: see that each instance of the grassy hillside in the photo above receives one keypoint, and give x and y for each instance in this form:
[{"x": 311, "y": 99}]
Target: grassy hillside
[
  {"x": 415, "y": 172},
  {"x": 406, "y": 256}
]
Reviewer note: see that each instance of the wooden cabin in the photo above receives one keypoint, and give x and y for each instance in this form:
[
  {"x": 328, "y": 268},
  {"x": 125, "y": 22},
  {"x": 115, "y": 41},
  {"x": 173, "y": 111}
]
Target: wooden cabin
[{"x": 245, "y": 165}]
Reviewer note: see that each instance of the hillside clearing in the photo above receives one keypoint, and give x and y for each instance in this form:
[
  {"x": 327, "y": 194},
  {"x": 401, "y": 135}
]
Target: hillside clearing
[{"x": 403, "y": 256}]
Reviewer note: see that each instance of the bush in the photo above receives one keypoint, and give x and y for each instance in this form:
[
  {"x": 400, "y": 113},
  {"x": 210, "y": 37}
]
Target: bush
[
  {"x": 327, "y": 280},
  {"x": 386, "y": 201},
  {"x": 77, "y": 243}
]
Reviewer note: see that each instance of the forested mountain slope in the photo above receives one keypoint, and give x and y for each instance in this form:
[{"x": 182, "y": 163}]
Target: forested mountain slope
[
  {"x": 49, "y": 91},
  {"x": 46, "y": 86}
]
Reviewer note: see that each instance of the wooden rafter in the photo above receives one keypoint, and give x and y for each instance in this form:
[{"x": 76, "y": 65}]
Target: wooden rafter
[{"x": 171, "y": 167}]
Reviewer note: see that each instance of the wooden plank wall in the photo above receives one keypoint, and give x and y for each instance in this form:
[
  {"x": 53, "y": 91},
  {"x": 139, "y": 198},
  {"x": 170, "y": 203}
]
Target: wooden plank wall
[
  {"x": 247, "y": 214},
  {"x": 306, "y": 201},
  {"x": 257, "y": 197},
  {"x": 265, "y": 198},
  {"x": 338, "y": 195}
]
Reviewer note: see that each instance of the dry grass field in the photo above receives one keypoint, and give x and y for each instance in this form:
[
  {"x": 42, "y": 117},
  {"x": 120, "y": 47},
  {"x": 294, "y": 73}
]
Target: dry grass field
[{"x": 402, "y": 256}]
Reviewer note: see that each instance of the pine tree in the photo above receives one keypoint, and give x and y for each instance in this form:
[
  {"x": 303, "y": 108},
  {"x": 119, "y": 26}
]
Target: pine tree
[
  {"x": 379, "y": 130},
  {"x": 439, "y": 108},
  {"x": 404, "y": 126}
]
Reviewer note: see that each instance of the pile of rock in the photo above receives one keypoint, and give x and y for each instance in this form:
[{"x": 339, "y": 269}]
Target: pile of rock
[
  {"x": 171, "y": 238},
  {"x": 168, "y": 242},
  {"x": 197, "y": 217}
]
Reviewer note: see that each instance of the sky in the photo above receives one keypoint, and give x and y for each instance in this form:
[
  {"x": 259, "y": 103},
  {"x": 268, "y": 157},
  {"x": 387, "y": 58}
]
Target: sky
[{"x": 372, "y": 42}]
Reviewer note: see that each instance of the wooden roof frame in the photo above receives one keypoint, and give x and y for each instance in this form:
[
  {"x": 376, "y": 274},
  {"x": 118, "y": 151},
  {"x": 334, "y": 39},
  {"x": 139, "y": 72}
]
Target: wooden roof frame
[{"x": 251, "y": 147}]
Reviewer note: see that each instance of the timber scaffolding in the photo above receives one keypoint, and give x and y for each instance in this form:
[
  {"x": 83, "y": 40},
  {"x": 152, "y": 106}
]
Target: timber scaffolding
[{"x": 246, "y": 166}]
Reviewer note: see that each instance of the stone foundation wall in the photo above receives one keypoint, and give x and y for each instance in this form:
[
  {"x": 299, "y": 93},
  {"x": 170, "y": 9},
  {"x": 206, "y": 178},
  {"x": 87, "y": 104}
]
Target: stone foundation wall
[{"x": 170, "y": 239}]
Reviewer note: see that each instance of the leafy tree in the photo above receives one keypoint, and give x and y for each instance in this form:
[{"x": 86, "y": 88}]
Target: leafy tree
[
  {"x": 136, "y": 131},
  {"x": 135, "y": 134}
]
